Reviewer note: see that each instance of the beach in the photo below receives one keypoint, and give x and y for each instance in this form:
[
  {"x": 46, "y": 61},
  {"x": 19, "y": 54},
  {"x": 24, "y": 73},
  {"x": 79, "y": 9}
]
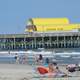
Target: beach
[
  {"x": 27, "y": 72},
  {"x": 14, "y": 71}
]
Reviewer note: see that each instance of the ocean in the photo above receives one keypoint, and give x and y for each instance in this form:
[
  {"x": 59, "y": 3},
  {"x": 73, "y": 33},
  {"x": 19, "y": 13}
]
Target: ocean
[{"x": 59, "y": 59}]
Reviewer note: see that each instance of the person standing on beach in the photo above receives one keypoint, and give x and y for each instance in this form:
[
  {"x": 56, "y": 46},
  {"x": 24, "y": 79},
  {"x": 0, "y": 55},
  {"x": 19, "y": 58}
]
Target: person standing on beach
[
  {"x": 40, "y": 59},
  {"x": 17, "y": 58},
  {"x": 47, "y": 61},
  {"x": 24, "y": 59}
]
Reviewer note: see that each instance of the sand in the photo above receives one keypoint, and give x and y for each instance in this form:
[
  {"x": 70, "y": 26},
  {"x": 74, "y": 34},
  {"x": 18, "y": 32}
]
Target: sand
[
  {"x": 14, "y": 71},
  {"x": 27, "y": 72}
]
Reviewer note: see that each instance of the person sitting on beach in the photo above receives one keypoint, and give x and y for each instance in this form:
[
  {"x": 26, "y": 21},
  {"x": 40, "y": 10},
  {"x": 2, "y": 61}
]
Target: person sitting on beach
[
  {"x": 51, "y": 71},
  {"x": 51, "y": 68},
  {"x": 55, "y": 71}
]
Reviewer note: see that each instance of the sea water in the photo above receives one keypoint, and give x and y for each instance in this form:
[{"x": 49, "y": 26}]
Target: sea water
[
  {"x": 59, "y": 60},
  {"x": 7, "y": 59}
]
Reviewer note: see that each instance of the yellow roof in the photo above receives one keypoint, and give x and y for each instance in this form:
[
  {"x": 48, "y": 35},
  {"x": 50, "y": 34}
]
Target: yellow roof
[{"x": 46, "y": 21}]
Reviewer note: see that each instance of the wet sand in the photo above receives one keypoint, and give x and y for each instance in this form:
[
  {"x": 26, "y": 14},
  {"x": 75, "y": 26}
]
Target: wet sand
[{"x": 27, "y": 72}]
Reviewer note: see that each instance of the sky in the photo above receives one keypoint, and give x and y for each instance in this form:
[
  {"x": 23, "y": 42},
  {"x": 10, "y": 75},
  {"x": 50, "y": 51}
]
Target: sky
[{"x": 15, "y": 13}]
